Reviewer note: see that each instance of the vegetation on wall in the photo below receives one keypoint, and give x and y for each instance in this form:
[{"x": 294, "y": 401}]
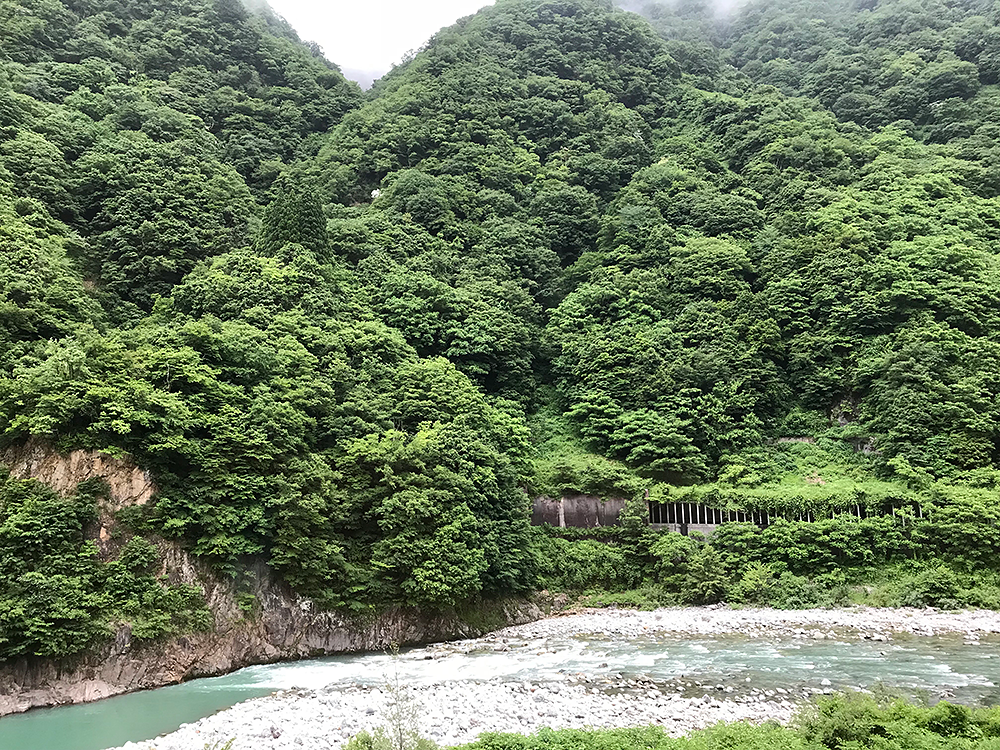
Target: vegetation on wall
[{"x": 57, "y": 597}]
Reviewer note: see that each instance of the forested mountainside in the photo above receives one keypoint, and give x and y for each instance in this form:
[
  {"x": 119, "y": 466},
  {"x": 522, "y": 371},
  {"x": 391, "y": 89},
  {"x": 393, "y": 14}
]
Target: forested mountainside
[
  {"x": 929, "y": 69},
  {"x": 563, "y": 249}
]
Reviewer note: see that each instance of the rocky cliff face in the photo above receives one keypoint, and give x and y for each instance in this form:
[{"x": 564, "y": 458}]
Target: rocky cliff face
[
  {"x": 286, "y": 628},
  {"x": 278, "y": 626},
  {"x": 129, "y": 484}
]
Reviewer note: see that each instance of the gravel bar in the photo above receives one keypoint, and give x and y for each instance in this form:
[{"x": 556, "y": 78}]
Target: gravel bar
[{"x": 456, "y": 712}]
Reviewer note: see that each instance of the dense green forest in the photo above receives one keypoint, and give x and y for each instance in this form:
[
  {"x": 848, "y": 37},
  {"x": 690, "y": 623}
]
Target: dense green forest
[{"x": 749, "y": 261}]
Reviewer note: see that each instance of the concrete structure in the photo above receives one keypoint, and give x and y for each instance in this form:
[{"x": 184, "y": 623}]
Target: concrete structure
[
  {"x": 688, "y": 517},
  {"x": 579, "y": 511},
  {"x": 589, "y": 511}
]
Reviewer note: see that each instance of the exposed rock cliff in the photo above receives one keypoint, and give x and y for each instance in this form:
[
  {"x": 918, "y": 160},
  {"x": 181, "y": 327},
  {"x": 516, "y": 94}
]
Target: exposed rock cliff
[
  {"x": 285, "y": 628},
  {"x": 129, "y": 484},
  {"x": 278, "y": 626}
]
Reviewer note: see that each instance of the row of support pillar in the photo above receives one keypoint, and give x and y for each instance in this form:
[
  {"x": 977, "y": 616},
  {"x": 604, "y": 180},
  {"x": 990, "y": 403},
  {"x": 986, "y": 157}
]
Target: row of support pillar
[{"x": 703, "y": 515}]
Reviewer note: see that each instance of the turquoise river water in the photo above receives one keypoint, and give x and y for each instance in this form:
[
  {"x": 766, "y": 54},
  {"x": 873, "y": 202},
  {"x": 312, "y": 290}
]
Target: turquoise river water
[{"x": 931, "y": 667}]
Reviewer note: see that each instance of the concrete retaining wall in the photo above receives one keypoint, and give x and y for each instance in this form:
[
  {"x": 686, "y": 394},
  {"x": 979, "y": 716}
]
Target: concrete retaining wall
[{"x": 579, "y": 511}]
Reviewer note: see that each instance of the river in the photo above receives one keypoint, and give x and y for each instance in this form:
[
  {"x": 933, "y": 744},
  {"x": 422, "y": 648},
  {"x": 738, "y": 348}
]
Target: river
[{"x": 776, "y": 662}]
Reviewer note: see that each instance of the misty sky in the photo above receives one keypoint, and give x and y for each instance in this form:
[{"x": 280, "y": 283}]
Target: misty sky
[{"x": 368, "y": 36}]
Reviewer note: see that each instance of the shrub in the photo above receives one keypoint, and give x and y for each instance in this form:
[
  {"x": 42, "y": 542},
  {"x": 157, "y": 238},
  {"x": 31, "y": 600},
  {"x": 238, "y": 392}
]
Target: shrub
[
  {"x": 796, "y": 592},
  {"x": 935, "y": 587},
  {"x": 706, "y": 580},
  {"x": 582, "y": 565},
  {"x": 757, "y": 585},
  {"x": 672, "y": 554}
]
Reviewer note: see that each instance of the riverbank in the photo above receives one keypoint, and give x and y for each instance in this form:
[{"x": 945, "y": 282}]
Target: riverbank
[
  {"x": 286, "y": 629},
  {"x": 869, "y": 623},
  {"x": 456, "y": 711}
]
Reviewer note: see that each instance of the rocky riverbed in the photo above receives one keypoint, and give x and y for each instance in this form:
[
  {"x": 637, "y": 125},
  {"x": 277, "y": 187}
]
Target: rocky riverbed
[
  {"x": 859, "y": 622},
  {"x": 456, "y": 711}
]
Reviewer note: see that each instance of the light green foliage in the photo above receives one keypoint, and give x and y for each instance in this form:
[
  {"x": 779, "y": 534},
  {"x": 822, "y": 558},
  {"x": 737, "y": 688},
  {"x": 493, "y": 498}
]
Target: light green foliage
[
  {"x": 646, "y": 598},
  {"x": 840, "y": 722},
  {"x": 565, "y": 467},
  {"x": 381, "y": 739},
  {"x": 756, "y": 586},
  {"x": 857, "y": 721},
  {"x": 673, "y": 555},
  {"x": 581, "y": 565},
  {"x": 40, "y": 295},
  {"x": 788, "y": 565},
  {"x": 706, "y": 578},
  {"x": 736, "y": 736}
]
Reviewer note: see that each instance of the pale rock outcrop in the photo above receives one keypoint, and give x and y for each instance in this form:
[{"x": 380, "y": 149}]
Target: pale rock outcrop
[{"x": 129, "y": 485}]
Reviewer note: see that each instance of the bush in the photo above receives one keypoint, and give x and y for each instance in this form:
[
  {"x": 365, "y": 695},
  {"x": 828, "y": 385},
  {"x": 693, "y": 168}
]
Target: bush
[
  {"x": 796, "y": 592},
  {"x": 582, "y": 565},
  {"x": 850, "y": 721},
  {"x": 740, "y": 545},
  {"x": 983, "y": 591},
  {"x": 935, "y": 587},
  {"x": 380, "y": 739},
  {"x": 843, "y": 721},
  {"x": 706, "y": 580},
  {"x": 757, "y": 586},
  {"x": 646, "y": 598},
  {"x": 672, "y": 554}
]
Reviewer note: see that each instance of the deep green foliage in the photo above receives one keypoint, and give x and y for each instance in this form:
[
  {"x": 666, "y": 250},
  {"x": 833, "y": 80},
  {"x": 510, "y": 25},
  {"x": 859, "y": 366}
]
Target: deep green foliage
[
  {"x": 294, "y": 217},
  {"x": 141, "y": 126},
  {"x": 751, "y": 265},
  {"x": 57, "y": 597}
]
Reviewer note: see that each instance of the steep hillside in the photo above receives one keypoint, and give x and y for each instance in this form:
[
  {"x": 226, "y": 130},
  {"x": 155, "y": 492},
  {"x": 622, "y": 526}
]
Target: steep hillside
[
  {"x": 931, "y": 69},
  {"x": 740, "y": 266},
  {"x": 222, "y": 346},
  {"x": 146, "y": 128},
  {"x": 556, "y": 251}
]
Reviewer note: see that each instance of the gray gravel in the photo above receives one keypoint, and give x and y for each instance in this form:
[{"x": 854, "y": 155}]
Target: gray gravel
[
  {"x": 869, "y": 623},
  {"x": 455, "y": 712}
]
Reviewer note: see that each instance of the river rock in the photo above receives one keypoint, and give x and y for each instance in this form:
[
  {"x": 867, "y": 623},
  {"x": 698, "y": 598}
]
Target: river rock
[{"x": 455, "y": 712}]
